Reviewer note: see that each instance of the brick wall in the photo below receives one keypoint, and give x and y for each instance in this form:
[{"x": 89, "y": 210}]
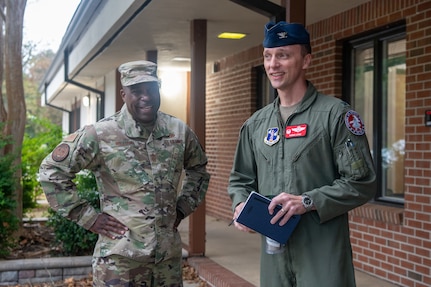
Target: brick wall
[
  {"x": 392, "y": 243},
  {"x": 230, "y": 100},
  {"x": 388, "y": 242}
]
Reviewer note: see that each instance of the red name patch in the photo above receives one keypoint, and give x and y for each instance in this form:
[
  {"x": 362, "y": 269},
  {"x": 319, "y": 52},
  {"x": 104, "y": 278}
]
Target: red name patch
[{"x": 296, "y": 131}]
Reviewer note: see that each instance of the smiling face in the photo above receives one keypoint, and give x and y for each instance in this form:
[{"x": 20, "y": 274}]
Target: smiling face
[
  {"x": 142, "y": 101},
  {"x": 286, "y": 65}
]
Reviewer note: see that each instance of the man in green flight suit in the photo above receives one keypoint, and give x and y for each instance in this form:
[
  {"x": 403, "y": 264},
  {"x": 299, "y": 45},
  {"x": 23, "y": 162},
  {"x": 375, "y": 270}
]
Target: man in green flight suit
[
  {"x": 309, "y": 153},
  {"x": 137, "y": 156}
]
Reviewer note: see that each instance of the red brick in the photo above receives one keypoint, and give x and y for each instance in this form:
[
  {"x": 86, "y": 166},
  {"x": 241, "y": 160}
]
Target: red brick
[{"x": 403, "y": 232}]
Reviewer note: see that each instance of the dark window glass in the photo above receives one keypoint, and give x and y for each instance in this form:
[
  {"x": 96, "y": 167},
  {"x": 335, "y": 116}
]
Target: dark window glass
[
  {"x": 265, "y": 92},
  {"x": 374, "y": 83}
]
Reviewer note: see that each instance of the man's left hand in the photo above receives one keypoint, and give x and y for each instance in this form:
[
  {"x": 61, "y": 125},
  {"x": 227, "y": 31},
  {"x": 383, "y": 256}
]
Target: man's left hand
[{"x": 290, "y": 205}]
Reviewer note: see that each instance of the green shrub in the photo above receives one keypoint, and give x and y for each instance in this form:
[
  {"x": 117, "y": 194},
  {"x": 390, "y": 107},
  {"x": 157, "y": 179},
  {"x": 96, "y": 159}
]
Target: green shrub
[
  {"x": 8, "y": 225},
  {"x": 41, "y": 137},
  {"x": 72, "y": 239},
  {"x": 9, "y": 221}
]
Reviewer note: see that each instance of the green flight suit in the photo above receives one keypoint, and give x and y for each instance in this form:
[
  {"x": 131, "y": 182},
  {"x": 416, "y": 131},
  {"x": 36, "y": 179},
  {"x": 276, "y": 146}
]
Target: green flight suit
[{"x": 321, "y": 150}]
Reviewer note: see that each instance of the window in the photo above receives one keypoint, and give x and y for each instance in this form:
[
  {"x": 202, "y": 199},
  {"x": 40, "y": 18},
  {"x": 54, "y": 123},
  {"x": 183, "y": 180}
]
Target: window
[
  {"x": 74, "y": 118},
  {"x": 374, "y": 84},
  {"x": 99, "y": 107},
  {"x": 266, "y": 94}
]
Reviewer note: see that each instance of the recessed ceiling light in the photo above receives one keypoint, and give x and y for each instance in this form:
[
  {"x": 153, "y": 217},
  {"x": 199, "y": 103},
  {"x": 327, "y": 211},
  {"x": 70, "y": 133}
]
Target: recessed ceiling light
[
  {"x": 181, "y": 59},
  {"x": 231, "y": 35}
]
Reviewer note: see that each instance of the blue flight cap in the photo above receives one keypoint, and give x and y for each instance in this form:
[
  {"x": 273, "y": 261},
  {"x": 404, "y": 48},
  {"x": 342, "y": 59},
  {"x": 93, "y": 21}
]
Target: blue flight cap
[{"x": 284, "y": 34}]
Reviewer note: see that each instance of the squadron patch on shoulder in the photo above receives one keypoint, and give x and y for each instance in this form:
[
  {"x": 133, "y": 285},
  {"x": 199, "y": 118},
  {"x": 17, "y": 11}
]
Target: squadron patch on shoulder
[
  {"x": 61, "y": 152},
  {"x": 354, "y": 123},
  {"x": 272, "y": 136}
]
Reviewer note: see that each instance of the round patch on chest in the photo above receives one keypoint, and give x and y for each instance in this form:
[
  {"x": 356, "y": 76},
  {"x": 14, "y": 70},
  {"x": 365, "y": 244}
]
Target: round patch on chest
[{"x": 61, "y": 152}]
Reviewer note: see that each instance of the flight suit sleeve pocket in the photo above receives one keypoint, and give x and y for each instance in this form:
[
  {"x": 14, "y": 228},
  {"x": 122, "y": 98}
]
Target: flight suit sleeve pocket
[{"x": 352, "y": 162}]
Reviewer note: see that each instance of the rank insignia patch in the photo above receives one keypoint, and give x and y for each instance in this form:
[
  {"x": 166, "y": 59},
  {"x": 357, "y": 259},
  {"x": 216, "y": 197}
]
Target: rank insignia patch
[
  {"x": 354, "y": 123},
  {"x": 61, "y": 152},
  {"x": 70, "y": 138},
  {"x": 272, "y": 136}
]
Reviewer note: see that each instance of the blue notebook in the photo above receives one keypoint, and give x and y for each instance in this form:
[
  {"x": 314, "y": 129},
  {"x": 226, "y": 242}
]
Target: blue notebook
[{"x": 255, "y": 216}]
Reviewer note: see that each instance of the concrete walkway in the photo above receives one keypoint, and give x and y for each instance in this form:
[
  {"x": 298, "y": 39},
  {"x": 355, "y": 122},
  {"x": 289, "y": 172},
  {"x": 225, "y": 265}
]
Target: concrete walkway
[{"x": 234, "y": 254}]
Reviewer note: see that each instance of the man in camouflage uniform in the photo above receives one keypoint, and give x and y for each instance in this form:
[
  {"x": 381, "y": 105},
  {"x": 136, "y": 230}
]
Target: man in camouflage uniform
[{"x": 137, "y": 156}]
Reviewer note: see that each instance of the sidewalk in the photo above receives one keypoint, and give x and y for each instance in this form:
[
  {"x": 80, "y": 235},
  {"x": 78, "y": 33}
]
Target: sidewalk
[{"x": 234, "y": 255}]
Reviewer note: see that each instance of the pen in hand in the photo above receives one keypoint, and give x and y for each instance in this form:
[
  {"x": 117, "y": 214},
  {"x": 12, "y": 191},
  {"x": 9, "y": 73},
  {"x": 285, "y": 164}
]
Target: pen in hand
[{"x": 233, "y": 220}]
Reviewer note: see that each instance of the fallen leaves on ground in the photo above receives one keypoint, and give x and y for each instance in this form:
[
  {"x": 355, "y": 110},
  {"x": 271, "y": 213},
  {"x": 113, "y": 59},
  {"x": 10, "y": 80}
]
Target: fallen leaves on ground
[
  {"x": 69, "y": 282},
  {"x": 189, "y": 275},
  {"x": 36, "y": 242}
]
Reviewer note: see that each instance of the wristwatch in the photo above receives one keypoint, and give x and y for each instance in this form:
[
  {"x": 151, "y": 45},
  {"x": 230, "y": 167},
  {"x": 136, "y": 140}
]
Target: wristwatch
[{"x": 307, "y": 202}]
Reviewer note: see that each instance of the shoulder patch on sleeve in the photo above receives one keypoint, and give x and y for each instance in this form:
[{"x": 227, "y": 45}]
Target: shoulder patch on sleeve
[
  {"x": 61, "y": 152},
  {"x": 354, "y": 123}
]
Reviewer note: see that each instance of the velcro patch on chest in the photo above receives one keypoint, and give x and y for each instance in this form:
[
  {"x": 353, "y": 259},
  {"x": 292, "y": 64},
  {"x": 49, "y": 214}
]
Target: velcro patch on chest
[{"x": 296, "y": 131}]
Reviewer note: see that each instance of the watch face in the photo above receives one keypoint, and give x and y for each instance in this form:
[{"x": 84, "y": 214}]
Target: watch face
[{"x": 307, "y": 201}]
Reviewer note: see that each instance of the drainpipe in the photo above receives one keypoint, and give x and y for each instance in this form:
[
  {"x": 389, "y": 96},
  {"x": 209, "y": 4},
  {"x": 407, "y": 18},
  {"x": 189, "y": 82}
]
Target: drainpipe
[
  {"x": 51, "y": 105},
  {"x": 85, "y": 87},
  {"x": 66, "y": 67},
  {"x": 66, "y": 59},
  {"x": 72, "y": 82}
]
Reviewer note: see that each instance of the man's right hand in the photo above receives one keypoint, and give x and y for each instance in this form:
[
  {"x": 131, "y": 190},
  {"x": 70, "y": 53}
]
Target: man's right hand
[{"x": 108, "y": 226}]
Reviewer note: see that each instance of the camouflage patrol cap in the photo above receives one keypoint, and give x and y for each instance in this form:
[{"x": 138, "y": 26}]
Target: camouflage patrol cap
[{"x": 138, "y": 72}]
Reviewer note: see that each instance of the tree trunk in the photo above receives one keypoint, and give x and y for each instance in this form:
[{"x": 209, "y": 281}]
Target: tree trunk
[
  {"x": 16, "y": 109},
  {"x": 3, "y": 114}
]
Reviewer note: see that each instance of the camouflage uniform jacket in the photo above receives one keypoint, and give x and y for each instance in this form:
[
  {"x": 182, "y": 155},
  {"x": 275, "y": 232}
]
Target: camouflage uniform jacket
[{"x": 137, "y": 174}]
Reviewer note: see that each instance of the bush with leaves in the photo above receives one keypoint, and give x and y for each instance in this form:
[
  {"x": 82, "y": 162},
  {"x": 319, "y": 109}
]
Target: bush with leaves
[
  {"x": 41, "y": 137},
  {"x": 9, "y": 221},
  {"x": 72, "y": 239}
]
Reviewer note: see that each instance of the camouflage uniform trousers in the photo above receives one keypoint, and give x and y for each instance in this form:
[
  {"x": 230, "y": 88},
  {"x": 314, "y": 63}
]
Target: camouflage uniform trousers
[{"x": 119, "y": 271}]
